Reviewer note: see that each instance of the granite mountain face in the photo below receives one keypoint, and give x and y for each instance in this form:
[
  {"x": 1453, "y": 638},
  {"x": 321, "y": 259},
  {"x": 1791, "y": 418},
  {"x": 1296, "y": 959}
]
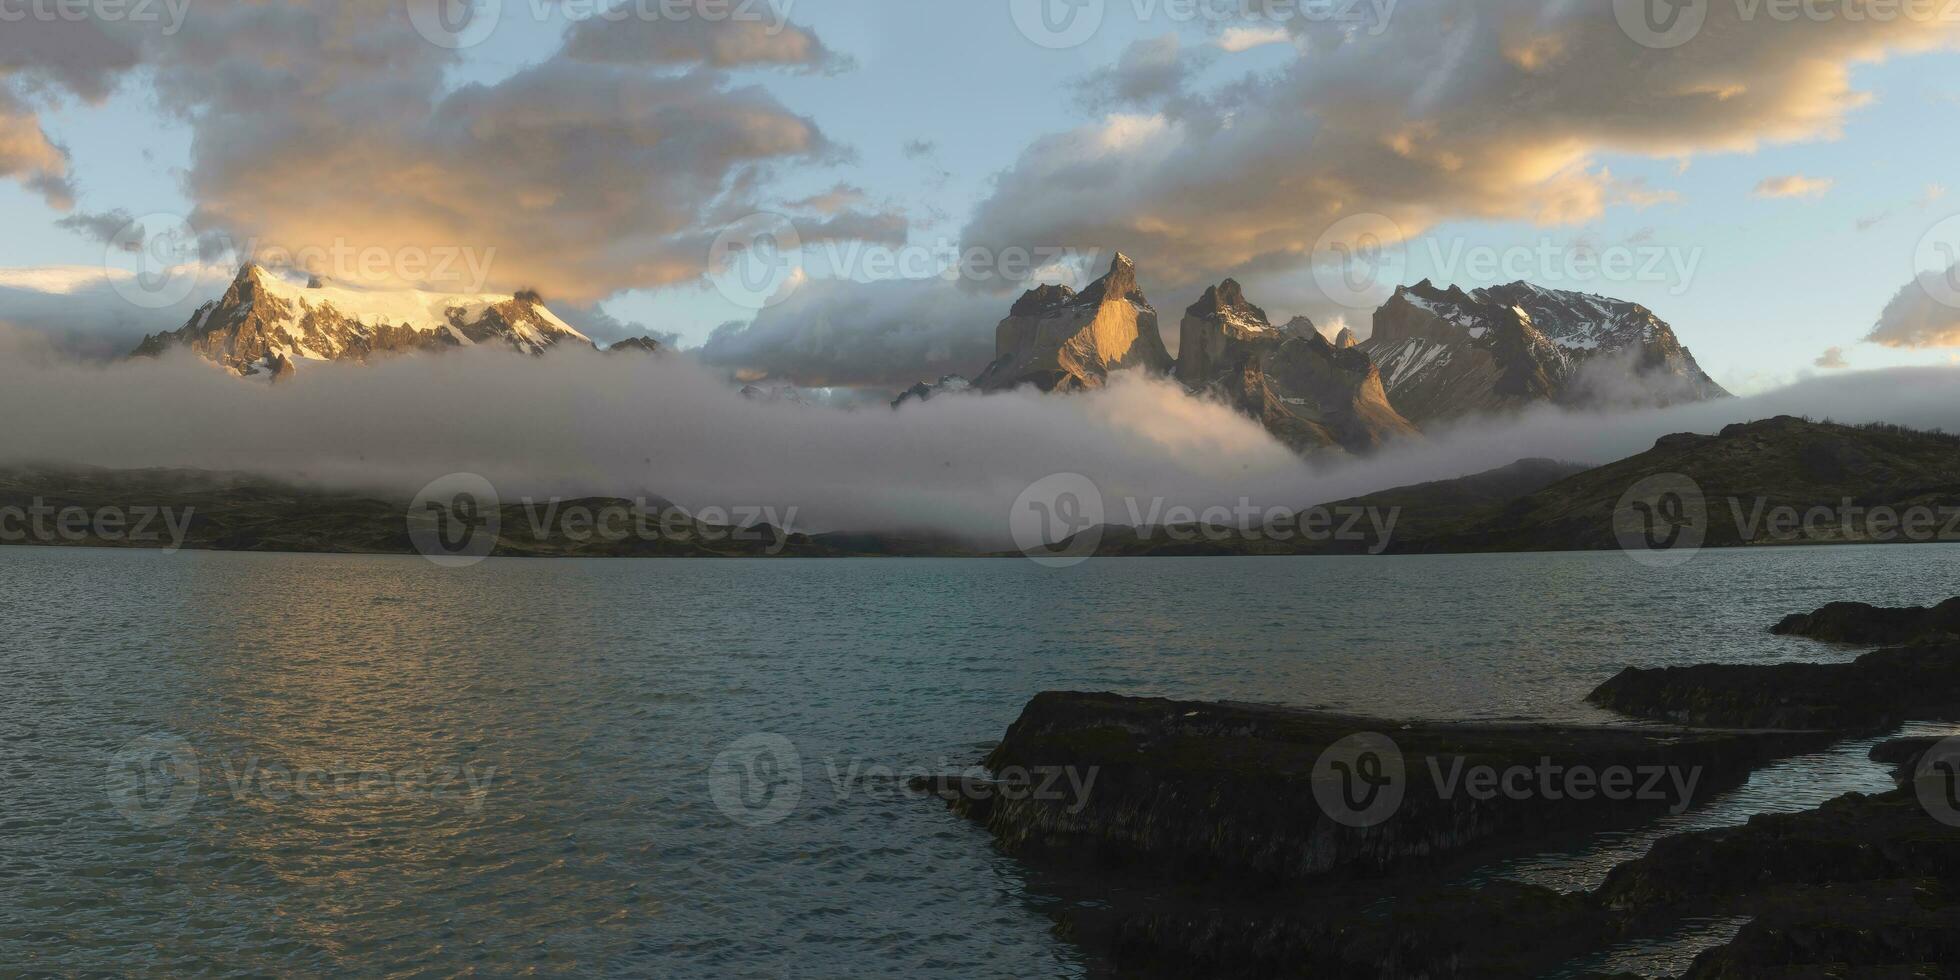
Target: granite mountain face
[
  {"x": 1436, "y": 354},
  {"x": 1309, "y": 394},
  {"x": 1445, "y": 353},
  {"x": 264, "y": 324},
  {"x": 1057, "y": 339}
]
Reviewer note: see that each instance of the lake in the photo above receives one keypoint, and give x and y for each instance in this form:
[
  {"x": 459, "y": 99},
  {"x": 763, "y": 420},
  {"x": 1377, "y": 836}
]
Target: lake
[{"x": 237, "y": 763}]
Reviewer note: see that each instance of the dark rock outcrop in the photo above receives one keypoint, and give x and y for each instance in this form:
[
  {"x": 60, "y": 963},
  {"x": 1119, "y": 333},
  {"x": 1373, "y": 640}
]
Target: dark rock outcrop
[
  {"x": 1059, "y": 340},
  {"x": 637, "y": 345},
  {"x": 1308, "y": 393},
  {"x": 951, "y": 384},
  {"x": 1200, "y": 850},
  {"x": 1877, "y": 691},
  {"x": 1229, "y": 790},
  {"x": 1867, "y": 625},
  {"x": 1862, "y": 886}
]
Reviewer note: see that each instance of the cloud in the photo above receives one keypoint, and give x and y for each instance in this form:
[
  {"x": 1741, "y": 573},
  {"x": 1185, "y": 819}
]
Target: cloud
[
  {"x": 1832, "y": 360},
  {"x": 1237, "y": 39},
  {"x": 28, "y": 155},
  {"x": 841, "y": 198},
  {"x": 1794, "y": 185},
  {"x": 890, "y": 333},
  {"x": 1150, "y": 71},
  {"x": 322, "y": 125},
  {"x": 704, "y": 32},
  {"x": 1925, "y": 313},
  {"x": 54, "y": 57},
  {"x": 577, "y": 423},
  {"x": 105, "y": 227},
  {"x": 1436, "y": 119},
  {"x": 78, "y": 309},
  {"x": 604, "y": 328}
]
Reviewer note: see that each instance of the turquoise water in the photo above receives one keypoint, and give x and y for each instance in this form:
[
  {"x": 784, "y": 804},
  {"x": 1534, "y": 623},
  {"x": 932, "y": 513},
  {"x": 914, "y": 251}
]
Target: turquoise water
[{"x": 311, "y": 764}]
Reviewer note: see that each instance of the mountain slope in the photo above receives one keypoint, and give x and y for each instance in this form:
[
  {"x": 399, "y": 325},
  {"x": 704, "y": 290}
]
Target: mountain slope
[
  {"x": 264, "y": 324},
  {"x": 1446, "y": 352},
  {"x": 1745, "y": 476},
  {"x": 1307, "y": 393},
  {"x": 1059, "y": 340}
]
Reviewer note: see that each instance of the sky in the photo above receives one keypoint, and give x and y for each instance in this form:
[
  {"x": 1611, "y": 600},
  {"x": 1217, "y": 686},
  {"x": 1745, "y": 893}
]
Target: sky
[{"x": 1778, "y": 186}]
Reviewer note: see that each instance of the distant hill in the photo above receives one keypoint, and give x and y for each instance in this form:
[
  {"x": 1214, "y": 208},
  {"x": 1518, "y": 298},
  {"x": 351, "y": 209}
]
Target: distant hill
[
  {"x": 1748, "y": 476},
  {"x": 1752, "y": 484}
]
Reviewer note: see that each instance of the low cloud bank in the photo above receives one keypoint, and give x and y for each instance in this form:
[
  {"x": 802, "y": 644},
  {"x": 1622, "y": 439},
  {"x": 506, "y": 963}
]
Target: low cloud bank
[{"x": 581, "y": 423}]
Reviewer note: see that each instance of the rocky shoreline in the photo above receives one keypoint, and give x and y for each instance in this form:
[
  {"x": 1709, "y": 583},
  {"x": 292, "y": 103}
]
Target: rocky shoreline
[{"x": 1205, "y": 839}]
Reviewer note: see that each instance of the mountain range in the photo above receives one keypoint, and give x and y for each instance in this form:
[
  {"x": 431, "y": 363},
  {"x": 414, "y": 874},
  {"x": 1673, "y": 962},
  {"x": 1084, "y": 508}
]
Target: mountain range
[
  {"x": 1435, "y": 354},
  {"x": 264, "y": 324}
]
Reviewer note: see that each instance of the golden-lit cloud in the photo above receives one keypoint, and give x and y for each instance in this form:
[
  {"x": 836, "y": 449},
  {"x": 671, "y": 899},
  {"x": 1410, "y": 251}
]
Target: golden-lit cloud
[
  {"x": 322, "y": 126},
  {"x": 1794, "y": 185},
  {"x": 1502, "y": 110}
]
